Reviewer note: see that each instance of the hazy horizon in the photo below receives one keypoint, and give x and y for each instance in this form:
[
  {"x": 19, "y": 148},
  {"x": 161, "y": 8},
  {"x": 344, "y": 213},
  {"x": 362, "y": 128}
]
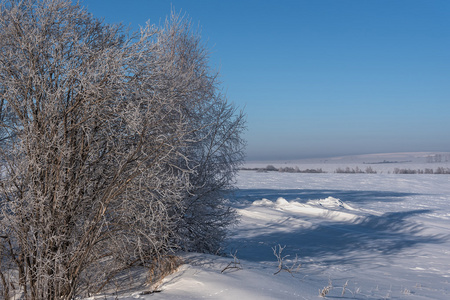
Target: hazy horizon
[{"x": 323, "y": 78}]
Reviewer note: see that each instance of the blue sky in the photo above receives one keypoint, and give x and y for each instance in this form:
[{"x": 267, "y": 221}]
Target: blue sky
[{"x": 323, "y": 78}]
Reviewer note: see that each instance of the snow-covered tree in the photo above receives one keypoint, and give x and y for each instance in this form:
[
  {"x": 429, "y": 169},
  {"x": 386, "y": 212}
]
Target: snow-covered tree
[{"x": 109, "y": 141}]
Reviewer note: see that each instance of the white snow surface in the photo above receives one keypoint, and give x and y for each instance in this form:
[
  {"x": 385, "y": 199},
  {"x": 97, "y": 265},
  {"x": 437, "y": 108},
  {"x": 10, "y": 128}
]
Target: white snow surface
[{"x": 382, "y": 236}]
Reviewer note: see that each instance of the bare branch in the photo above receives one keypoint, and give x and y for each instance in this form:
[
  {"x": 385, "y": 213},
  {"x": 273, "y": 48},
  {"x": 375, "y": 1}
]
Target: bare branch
[{"x": 116, "y": 148}]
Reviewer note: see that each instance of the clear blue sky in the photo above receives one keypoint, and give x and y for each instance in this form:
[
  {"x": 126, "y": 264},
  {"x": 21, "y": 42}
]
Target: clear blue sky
[{"x": 323, "y": 77}]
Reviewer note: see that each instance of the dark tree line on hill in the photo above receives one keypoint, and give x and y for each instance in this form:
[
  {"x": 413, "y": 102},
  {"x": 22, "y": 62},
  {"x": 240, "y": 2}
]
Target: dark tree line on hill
[
  {"x": 271, "y": 168},
  {"x": 439, "y": 170},
  {"x": 348, "y": 170}
]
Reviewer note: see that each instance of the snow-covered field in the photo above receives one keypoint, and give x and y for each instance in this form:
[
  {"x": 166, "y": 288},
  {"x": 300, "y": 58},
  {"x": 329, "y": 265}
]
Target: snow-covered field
[{"x": 366, "y": 236}]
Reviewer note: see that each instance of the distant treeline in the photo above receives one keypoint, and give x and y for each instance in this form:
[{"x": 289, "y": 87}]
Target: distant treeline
[
  {"x": 347, "y": 170},
  {"x": 439, "y": 170},
  {"x": 369, "y": 170},
  {"x": 356, "y": 170},
  {"x": 436, "y": 158},
  {"x": 386, "y": 162},
  {"x": 271, "y": 168}
]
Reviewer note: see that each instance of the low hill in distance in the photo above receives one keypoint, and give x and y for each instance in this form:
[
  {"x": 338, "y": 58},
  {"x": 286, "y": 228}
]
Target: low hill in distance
[{"x": 378, "y": 162}]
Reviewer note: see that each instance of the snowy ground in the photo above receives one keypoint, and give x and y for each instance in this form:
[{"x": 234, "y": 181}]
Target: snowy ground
[{"x": 382, "y": 236}]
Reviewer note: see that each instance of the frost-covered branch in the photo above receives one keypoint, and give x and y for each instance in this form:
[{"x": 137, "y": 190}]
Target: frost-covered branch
[{"x": 109, "y": 142}]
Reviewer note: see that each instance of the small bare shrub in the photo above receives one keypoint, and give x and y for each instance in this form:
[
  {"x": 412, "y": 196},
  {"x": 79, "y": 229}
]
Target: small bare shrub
[
  {"x": 233, "y": 265},
  {"x": 293, "y": 268},
  {"x": 406, "y": 291}
]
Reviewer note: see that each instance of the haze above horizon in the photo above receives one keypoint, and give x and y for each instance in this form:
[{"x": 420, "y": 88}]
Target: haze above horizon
[{"x": 323, "y": 78}]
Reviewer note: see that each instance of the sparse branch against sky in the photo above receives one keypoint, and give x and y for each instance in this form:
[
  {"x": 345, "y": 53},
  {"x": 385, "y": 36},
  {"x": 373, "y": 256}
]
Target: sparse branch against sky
[{"x": 323, "y": 77}]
